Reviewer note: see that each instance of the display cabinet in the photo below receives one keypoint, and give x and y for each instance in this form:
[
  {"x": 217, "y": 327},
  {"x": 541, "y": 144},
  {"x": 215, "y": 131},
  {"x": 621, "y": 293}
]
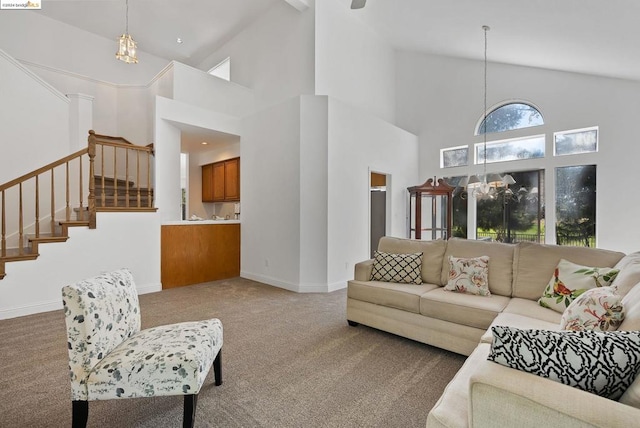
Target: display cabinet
[{"x": 430, "y": 210}]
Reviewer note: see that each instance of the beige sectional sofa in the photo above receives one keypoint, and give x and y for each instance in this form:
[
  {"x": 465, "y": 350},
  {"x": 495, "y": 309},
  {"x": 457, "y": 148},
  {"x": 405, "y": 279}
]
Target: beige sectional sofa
[{"x": 483, "y": 393}]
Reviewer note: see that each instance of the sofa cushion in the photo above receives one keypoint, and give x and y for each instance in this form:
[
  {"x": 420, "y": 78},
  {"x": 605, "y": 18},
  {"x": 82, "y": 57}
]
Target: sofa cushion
[
  {"x": 469, "y": 275},
  {"x": 570, "y": 280},
  {"x": 629, "y": 275},
  {"x": 451, "y": 410},
  {"x": 518, "y": 321},
  {"x": 400, "y": 268},
  {"x": 500, "y": 261},
  {"x": 534, "y": 264},
  {"x": 631, "y": 302},
  {"x": 399, "y": 296},
  {"x": 532, "y": 309},
  {"x": 432, "y": 254},
  {"x": 461, "y": 308},
  {"x": 603, "y": 363},
  {"x": 598, "y": 309}
]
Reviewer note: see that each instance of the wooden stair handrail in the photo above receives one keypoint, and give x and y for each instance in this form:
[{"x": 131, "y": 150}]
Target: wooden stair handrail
[{"x": 42, "y": 170}]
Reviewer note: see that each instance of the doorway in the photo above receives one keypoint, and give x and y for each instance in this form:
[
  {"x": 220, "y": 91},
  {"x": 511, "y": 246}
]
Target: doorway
[{"x": 377, "y": 208}]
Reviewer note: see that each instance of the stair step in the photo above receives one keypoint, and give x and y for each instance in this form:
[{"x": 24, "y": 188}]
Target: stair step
[
  {"x": 108, "y": 181},
  {"x": 47, "y": 238},
  {"x": 15, "y": 255}
]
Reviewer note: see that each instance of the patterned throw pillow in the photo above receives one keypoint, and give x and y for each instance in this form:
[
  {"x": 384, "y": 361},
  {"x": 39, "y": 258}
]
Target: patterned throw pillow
[
  {"x": 598, "y": 309},
  {"x": 571, "y": 280},
  {"x": 402, "y": 268},
  {"x": 603, "y": 363},
  {"x": 469, "y": 275}
]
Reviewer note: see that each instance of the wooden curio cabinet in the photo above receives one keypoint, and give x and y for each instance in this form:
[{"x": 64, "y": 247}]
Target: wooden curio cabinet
[{"x": 430, "y": 210}]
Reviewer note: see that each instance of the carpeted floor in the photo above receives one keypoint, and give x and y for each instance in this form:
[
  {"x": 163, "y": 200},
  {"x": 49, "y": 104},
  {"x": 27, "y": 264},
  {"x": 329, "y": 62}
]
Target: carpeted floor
[{"x": 289, "y": 360}]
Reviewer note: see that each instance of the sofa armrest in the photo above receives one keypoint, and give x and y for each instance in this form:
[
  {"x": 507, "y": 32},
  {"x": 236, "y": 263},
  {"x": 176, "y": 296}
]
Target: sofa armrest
[
  {"x": 363, "y": 270},
  {"x": 505, "y": 397}
]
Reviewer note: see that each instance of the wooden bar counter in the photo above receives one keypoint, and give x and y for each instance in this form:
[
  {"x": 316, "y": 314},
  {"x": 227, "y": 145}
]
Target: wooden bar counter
[{"x": 199, "y": 251}]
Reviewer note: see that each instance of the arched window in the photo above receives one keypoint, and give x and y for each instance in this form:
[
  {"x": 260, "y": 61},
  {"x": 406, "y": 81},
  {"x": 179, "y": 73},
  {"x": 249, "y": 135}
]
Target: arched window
[{"x": 513, "y": 115}]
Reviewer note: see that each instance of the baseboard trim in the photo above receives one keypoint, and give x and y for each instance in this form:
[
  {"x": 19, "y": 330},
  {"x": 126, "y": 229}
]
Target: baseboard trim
[
  {"x": 30, "y": 309},
  {"x": 297, "y": 288},
  {"x": 57, "y": 304}
]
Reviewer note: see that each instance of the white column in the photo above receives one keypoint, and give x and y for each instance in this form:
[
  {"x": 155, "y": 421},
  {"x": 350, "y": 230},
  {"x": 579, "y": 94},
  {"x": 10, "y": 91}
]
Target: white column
[{"x": 80, "y": 120}]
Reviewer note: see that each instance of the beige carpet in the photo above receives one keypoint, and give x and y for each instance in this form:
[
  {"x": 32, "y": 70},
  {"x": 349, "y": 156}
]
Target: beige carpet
[{"x": 289, "y": 360}]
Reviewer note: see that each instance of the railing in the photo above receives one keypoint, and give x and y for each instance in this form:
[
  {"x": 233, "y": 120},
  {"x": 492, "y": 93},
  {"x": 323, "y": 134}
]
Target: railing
[
  {"x": 14, "y": 193},
  {"x": 123, "y": 184},
  {"x": 123, "y": 174},
  {"x": 515, "y": 237}
]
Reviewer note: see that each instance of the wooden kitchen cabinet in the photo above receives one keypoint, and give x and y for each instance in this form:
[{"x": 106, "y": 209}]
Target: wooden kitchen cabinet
[
  {"x": 207, "y": 183},
  {"x": 221, "y": 181}
]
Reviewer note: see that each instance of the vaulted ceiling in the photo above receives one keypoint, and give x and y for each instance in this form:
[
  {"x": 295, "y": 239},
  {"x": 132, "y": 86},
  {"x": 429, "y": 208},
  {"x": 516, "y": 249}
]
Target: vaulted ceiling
[{"x": 587, "y": 36}]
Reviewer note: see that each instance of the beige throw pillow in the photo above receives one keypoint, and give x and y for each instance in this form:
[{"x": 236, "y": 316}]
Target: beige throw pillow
[
  {"x": 469, "y": 275},
  {"x": 571, "y": 280}
]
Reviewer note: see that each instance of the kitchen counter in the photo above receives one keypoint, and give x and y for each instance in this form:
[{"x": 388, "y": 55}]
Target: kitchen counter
[
  {"x": 194, "y": 222},
  {"x": 193, "y": 252}
]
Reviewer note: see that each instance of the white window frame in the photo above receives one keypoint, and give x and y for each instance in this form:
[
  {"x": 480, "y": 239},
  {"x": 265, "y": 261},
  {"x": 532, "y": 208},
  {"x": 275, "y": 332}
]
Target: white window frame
[
  {"x": 577, "y": 131},
  {"x": 447, "y": 149},
  {"x": 480, "y": 146}
]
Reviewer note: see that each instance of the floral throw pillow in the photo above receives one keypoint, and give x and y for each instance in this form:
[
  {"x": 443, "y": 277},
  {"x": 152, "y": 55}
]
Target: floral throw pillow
[
  {"x": 469, "y": 275},
  {"x": 570, "y": 280},
  {"x": 401, "y": 268},
  {"x": 598, "y": 309}
]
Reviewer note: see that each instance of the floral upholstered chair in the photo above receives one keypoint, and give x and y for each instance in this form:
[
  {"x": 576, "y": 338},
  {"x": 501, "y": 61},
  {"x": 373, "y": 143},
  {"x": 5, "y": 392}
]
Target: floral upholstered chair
[{"x": 110, "y": 357}]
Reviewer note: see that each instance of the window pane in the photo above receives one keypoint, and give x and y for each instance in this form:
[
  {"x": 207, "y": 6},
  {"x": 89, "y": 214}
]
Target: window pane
[
  {"x": 507, "y": 150},
  {"x": 459, "y": 226},
  {"x": 511, "y": 116},
  {"x": 455, "y": 156},
  {"x": 517, "y": 214},
  {"x": 576, "y": 206},
  {"x": 571, "y": 143}
]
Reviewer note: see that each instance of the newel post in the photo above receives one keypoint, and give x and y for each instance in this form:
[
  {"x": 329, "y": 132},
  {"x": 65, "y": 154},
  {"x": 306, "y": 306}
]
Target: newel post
[{"x": 92, "y": 182}]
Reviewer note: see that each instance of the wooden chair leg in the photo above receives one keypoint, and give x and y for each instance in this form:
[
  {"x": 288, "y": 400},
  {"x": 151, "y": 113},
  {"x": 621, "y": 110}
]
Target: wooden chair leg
[
  {"x": 217, "y": 368},
  {"x": 79, "y": 413},
  {"x": 190, "y": 402}
]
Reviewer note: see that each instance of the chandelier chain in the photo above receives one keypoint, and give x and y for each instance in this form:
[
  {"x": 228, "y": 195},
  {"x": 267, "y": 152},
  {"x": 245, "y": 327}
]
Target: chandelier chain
[{"x": 484, "y": 121}]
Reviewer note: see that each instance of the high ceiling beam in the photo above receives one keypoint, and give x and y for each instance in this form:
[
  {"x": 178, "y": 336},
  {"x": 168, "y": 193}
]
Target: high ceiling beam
[{"x": 301, "y": 5}]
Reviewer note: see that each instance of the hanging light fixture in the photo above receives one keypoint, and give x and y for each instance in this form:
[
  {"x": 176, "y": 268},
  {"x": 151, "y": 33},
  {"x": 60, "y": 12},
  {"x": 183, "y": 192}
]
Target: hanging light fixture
[
  {"x": 485, "y": 186},
  {"x": 126, "y": 44}
]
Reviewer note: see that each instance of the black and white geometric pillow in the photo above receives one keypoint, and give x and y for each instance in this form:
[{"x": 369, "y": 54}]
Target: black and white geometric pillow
[
  {"x": 603, "y": 363},
  {"x": 402, "y": 268}
]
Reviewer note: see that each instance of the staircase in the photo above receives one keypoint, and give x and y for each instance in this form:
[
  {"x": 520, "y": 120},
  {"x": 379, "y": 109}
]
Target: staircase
[{"x": 22, "y": 226}]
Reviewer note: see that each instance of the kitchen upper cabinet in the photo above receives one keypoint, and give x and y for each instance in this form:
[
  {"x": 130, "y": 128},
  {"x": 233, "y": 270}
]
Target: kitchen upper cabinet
[
  {"x": 207, "y": 183},
  {"x": 232, "y": 179},
  {"x": 221, "y": 181}
]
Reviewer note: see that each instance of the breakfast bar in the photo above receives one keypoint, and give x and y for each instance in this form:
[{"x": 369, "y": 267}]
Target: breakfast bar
[{"x": 199, "y": 251}]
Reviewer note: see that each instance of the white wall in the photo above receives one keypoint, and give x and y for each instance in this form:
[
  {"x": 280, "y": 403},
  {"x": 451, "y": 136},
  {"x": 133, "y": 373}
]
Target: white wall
[
  {"x": 34, "y": 38},
  {"x": 305, "y": 190},
  {"x": 34, "y": 118},
  {"x": 130, "y": 240},
  {"x": 270, "y": 189},
  {"x": 353, "y": 63},
  {"x": 441, "y": 100},
  {"x": 274, "y": 56},
  {"x": 360, "y": 143}
]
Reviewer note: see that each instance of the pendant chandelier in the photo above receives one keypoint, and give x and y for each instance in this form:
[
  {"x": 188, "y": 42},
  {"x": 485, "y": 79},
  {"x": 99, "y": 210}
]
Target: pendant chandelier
[
  {"x": 486, "y": 186},
  {"x": 126, "y": 44}
]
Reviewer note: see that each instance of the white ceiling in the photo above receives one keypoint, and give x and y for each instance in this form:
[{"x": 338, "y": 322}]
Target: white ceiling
[{"x": 600, "y": 37}]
